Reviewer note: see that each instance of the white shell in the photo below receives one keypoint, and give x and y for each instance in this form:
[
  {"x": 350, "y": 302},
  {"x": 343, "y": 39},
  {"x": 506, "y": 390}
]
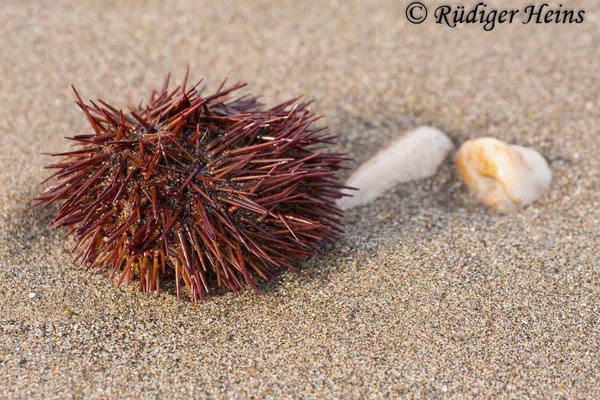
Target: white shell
[
  {"x": 415, "y": 155},
  {"x": 500, "y": 175}
]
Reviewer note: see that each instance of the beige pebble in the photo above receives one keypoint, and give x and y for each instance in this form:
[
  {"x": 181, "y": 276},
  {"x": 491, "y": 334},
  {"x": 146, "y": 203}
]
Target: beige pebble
[
  {"x": 415, "y": 155},
  {"x": 505, "y": 177}
]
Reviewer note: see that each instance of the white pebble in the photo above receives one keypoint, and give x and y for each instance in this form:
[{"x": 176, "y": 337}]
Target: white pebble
[
  {"x": 415, "y": 155},
  {"x": 500, "y": 175},
  {"x": 31, "y": 295}
]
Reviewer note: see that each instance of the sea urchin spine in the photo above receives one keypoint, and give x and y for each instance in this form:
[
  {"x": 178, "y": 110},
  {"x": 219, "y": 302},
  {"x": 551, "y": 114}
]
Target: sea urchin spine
[{"x": 211, "y": 190}]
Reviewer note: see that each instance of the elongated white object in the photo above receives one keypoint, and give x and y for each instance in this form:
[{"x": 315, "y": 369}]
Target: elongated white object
[{"x": 415, "y": 155}]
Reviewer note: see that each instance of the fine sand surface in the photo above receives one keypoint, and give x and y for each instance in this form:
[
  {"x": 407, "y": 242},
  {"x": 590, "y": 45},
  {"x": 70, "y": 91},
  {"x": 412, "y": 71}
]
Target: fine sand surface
[{"x": 429, "y": 294}]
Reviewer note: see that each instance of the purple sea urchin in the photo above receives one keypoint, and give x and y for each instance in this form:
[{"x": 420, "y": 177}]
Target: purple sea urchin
[{"x": 211, "y": 190}]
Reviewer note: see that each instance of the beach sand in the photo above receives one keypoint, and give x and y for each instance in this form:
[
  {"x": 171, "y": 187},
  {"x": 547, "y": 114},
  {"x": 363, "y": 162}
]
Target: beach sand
[{"x": 429, "y": 294}]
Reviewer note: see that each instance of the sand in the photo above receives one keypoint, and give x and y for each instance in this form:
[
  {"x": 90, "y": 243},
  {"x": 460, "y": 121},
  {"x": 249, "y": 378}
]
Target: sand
[{"x": 429, "y": 294}]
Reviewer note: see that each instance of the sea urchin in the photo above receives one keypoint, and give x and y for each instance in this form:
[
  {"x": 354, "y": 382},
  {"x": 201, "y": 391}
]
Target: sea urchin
[{"x": 211, "y": 190}]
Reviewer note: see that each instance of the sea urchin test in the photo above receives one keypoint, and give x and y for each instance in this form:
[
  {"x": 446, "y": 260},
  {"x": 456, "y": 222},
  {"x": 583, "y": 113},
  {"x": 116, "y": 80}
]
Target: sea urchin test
[{"x": 206, "y": 190}]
